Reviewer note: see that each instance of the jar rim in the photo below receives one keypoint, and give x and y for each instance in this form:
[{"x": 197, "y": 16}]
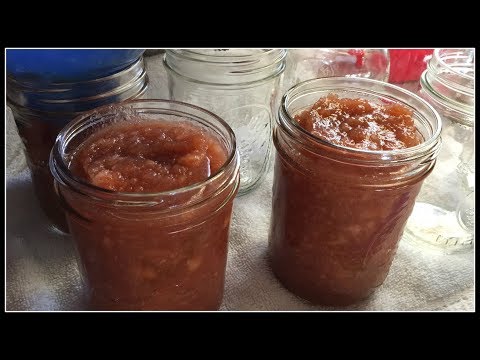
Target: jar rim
[
  {"x": 370, "y": 87},
  {"x": 232, "y": 72},
  {"x": 463, "y": 113},
  {"x": 193, "y": 54},
  {"x": 437, "y": 56},
  {"x": 62, "y": 173}
]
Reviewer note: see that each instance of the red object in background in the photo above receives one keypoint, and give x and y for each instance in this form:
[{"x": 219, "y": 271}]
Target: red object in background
[
  {"x": 408, "y": 64},
  {"x": 360, "y": 56}
]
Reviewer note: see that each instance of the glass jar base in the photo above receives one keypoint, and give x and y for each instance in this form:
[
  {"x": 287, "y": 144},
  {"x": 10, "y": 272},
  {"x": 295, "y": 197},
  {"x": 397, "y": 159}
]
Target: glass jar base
[
  {"x": 313, "y": 294},
  {"x": 247, "y": 188},
  {"x": 433, "y": 227},
  {"x": 112, "y": 305},
  {"x": 322, "y": 299},
  {"x": 250, "y": 183}
]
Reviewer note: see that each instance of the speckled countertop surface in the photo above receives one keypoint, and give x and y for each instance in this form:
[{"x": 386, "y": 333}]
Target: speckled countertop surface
[{"x": 42, "y": 274}]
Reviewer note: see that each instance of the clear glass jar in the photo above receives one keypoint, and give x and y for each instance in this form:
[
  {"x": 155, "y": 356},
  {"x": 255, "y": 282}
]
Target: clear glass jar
[
  {"x": 239, "y": 85},
  {"x": 338, "y": 213},
  {"x": 149, "y": 251},
  {"x": 41, "y": 110},
  {"x": 305, "y": 64},
  {"x": 443, "y": 217}
]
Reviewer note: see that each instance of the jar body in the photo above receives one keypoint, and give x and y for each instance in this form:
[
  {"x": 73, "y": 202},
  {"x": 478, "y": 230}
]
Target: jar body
[
  {"x": 332, "y": 242},
  {"x": 246, "y": 102},
  {"x": 165, "y": 251},
  {"x": 38, "y": 135},
  {"x": 443, "y": 216},
  {"x": 40, "y": 114},
  {"x": 336, "y": 221},
  {"x": 142, "y": 260}
]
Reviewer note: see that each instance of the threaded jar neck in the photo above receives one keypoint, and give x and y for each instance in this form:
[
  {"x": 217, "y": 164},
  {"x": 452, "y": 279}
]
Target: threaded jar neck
[
  {"x": 226, "y": 66},
  {"x": 449, "y": 84}
]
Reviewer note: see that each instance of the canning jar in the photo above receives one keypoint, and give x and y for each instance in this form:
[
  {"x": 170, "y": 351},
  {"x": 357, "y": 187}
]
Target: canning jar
[
  {"x": 149, "y": 251},
  {"x": 239, "y": 85},
  {"x": 443, "y": 217},
  {"x": 310, "y": 63},
  {"x": 338, "y": 213},
  {"x": 41, "y": 109}
]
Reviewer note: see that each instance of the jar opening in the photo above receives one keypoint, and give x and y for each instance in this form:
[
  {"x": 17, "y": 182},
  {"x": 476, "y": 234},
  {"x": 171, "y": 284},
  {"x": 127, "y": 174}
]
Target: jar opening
[
  {"x": 449, "y": 108},
  {"x": 225, "y": 56},
  {"x": 78, "y": 130},
  {"x": 449, "y": 84},
  {"x": 461, "y": 62},
  {"x": 305, "y": 94},
  {"x": 226, "y": 67}
]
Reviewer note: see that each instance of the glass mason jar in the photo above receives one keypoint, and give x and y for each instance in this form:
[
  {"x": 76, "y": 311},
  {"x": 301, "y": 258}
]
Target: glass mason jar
[
  {"x": 305, "y": 64},
  {"x": 41, "y": 110},
  {"x": 149, "y": 251},
  {"x": 239, "y": 85},
  {"x": 443, "y": 217},
  {"x": 338, "y": 213}
]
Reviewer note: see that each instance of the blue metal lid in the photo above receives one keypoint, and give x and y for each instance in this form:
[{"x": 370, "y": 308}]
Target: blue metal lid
[
  {"x": 43, "y": 66},
  {"x": 74, "y": 97}
]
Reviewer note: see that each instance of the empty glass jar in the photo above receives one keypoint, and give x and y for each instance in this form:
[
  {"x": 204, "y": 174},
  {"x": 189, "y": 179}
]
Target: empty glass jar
[
  {"x": 305, "y": 64},
  {"x": 239, "y": 85},
  {"x": 443, "y": 216}
]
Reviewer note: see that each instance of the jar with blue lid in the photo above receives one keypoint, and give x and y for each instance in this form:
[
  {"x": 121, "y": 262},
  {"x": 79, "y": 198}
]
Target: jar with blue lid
[{"x": 46, "y": 89}]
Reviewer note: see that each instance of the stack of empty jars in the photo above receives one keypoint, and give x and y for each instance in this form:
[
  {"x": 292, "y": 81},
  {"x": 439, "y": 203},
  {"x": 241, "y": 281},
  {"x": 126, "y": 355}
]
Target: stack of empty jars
[
  {"x": 43, "y": 105},
  {"x": 443, "y": 216}
]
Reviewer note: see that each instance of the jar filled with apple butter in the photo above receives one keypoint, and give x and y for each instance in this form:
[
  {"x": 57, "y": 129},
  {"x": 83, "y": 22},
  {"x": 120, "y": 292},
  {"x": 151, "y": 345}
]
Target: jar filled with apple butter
[
  {"x": 148, "y": 188},
  {"x": 351, "y": 157}
]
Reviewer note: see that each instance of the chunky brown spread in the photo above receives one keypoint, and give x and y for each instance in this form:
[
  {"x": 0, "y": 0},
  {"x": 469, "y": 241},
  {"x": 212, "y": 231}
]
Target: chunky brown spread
[
  {"x": 148, "y": 157},
  {"x": 360, "y": 124},
  {"x": 165, "y": 254},
  {"x": 336, "y": 222}
]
